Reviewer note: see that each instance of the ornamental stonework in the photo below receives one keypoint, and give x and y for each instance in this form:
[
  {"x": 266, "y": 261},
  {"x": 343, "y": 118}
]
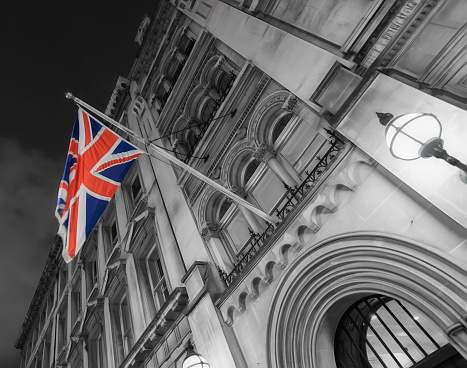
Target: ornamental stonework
[
  {"x": 264, "y": 153},
  {"x": 210, "y": 231},
  {"x": 292, "y": 103}
]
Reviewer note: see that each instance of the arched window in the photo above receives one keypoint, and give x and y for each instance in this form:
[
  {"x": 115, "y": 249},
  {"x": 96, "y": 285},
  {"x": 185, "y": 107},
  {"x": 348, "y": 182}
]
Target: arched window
[{"x": 379, "y": 331}]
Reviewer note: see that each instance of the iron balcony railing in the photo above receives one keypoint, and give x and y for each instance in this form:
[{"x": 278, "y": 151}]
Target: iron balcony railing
[{"x": 290, "y": 201}]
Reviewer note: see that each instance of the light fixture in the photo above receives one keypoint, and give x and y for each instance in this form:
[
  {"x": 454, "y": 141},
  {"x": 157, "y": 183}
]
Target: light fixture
[
  {"x": 193, "y": 359},
  {"x": 415, "y": 135}
]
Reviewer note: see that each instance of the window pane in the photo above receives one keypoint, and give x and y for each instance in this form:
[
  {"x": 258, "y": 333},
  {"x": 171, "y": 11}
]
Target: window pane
[
  {"x": 409, "y": 322},
  {"x": 302, "y": 146},
  {"x": 267, "y": 199},
  {"x": 238, "y": 231},
  {"x": 136, "y": 188}
]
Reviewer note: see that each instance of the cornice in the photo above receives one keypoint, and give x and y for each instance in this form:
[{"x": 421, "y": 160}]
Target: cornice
[{"x": 50, "y": 270}]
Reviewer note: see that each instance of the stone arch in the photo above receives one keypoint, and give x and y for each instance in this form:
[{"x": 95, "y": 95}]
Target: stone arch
[
  {"x": 194, "y": 100},
  {"x": 209, "y": 204},
  {"x": 209, "y": 72},
  {"x": 266, "y": 113},
  {"x": 326, "y": 279},
  {"x": 234, "y": 160}
]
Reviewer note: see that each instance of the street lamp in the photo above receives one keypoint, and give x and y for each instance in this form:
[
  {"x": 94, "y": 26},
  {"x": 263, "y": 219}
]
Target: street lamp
[
  {"x": 193, "y": 359},
  {"x": 415, "y": 135}
]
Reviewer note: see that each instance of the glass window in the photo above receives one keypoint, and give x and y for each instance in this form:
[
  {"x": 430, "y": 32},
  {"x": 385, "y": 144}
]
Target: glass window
[
  {"x": 136, "y": 189},
  {"x": 381, "y": 332},
  {"x": 237, "y": 231},
  {"x": 155, "y": 271}
]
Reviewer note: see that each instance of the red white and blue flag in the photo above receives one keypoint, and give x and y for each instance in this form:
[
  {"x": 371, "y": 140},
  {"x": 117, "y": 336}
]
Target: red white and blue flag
[{"x": 97, "y": 161}]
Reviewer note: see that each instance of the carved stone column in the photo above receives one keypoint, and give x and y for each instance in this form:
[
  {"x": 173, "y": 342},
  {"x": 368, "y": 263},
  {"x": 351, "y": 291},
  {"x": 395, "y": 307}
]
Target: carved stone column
[
  {"x": 250, "y": 218},
  {"x": 266, "y": 154},
  {"x": 211, "y": 234},
  {"x": 212, "y": 91}
]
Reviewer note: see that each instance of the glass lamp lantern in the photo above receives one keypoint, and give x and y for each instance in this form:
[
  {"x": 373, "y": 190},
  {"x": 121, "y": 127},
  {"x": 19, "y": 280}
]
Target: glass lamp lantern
[
  {"x": 193, "y": 359},
  {"x": 414, "y": 135}
]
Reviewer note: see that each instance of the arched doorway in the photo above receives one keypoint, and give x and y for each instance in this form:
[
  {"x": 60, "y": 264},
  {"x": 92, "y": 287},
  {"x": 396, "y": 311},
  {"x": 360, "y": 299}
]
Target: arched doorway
[
  {"x": 333, "y": 276},
  {"x": 382, "y": 332}
]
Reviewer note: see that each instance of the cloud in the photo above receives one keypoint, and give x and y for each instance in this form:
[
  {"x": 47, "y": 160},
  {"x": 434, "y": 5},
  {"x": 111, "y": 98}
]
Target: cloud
[{"x": 28, "y": 192}]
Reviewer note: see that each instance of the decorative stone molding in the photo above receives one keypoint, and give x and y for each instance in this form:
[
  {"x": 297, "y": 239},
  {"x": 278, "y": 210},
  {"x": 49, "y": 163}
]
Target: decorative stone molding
[
  {"x": 220, "y": 62},
  {"x": 216, "y": 173},
  {"x": 292, "y": 104},
  {"x": 271, "y": 101},
  {"x": 179, "y": 55},
  {"x": 212, "y": 91},
  {"x": 180, "y": 146},
  {"x": 413, "y": 271},
  {"x": 234, "y": 152},
  {"x": 195, "y": 125},
  {"x": 264, "y": 153},
  {"x": 209, "y": 231},
  {"x": 404, "y": 21}
]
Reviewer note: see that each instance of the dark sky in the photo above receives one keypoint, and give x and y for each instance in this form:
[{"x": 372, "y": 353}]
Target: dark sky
[{"x": 48, "y": 48}]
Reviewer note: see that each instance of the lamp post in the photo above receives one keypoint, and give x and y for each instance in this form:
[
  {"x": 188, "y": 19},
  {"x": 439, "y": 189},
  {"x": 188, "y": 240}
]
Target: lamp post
[
  {"x": 415, "y": 135},
  {"x": 193, "y": 359}
]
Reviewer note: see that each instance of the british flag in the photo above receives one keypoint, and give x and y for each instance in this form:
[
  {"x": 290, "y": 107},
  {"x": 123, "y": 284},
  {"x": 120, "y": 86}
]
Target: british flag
[{"x": 97, "y": 161}]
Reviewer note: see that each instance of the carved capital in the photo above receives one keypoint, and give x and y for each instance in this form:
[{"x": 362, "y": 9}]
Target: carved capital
[
  {"x": 238, "y": 191},
  {"x": 180, "y": 146},
  {"x": 179, "y": 55},
  {"x": 220, "y": 62},
  {"x": 212, "y": 91},
  {"x": 192, "y": 121},
  {"x": 210, "y": 231},
  {"x": 264, "y": 153},
  {"x": 292, "y": 103}
]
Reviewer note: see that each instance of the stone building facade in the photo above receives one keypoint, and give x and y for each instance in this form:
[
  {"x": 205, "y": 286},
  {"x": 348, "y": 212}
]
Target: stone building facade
[{"x": 276, "y": 101}]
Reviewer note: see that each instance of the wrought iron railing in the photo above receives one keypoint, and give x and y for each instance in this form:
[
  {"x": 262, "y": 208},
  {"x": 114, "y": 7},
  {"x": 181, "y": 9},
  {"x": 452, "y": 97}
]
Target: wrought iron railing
[
  {"x": 204, "y": 126},
  {"x": 295, "y": 194},
  {"x": 290, "y": 201},
  {"x": 254, "y": 244}
]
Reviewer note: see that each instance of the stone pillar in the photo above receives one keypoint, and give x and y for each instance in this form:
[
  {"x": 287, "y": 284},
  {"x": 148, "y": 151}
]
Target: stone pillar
[
  {"x": 266, "y": 154},
  {"x": 211, "y": 234},
  {"x": 249, "y": 216},
  {"x": 212, "y": 91}
]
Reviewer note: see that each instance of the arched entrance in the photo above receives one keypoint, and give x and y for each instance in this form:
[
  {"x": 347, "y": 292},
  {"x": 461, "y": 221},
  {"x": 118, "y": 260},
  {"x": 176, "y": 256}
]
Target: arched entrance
[{"x": 321, "y": 286}]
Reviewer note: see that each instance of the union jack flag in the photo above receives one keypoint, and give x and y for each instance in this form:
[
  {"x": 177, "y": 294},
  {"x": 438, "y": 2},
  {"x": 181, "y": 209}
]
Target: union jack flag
[{"x": 97, "y": 162}]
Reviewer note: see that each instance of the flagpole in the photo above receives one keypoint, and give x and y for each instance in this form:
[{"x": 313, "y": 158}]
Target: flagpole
[{"x": 270, "y": 218}]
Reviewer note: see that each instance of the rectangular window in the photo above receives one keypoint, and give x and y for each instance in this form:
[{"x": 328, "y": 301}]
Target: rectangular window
[
  {"x": 113, "y": 233},
  {"x": 136, "y": 189},
  {"x": 155, "y": 270}
]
